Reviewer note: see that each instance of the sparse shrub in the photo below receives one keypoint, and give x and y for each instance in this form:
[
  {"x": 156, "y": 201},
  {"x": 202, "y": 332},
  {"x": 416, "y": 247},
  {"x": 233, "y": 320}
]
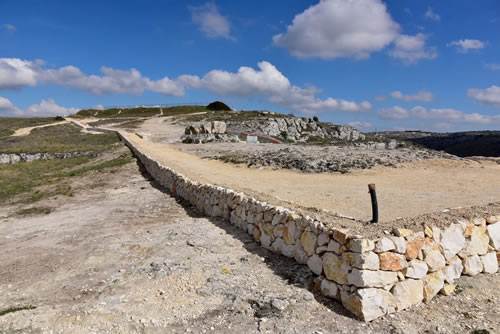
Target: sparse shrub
[
  {"x": 284, "y": 135},
  {"x": 218, "y": 106},
  {"x": 59, "y": 118},
  {"x": 291, "y": 114},
  {"x": 315, "y": 118}
]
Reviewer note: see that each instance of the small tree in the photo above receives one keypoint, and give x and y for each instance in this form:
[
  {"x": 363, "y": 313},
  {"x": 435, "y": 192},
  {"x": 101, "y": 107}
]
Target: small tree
[
  {"x": 284, "y": 135},
  {"x": 218, "y": 106},
  {"x": 316, "y": 119}
]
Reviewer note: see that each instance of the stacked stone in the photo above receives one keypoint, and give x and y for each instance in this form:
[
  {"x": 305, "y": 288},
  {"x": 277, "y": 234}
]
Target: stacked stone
[{"x": 371, "y": 278}]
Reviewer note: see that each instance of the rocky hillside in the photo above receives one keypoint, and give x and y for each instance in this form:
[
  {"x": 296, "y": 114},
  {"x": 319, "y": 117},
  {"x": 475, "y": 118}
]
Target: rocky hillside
[{"x": 295, "y": 129}]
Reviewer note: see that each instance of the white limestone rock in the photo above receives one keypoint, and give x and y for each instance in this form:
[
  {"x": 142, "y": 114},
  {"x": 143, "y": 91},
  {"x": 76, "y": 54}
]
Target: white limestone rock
[
  {"x": 432, "y": 256},
  {"x": 323, "y": 239},
  {"x": 433, "y": 283},
  {"x": 472, "y": 265},
  {"x": 329, "y": 288},
  {"x": 490, "y": 263},
  {"x": 453, "y": 270},
  {"x": 399, "y": 244},
  {"x": 373, "y": 279},
  {"x": 335, "y": 268},
  {"x": 452, "y": 240},
  {"x": 315, "y": 263},
  {"x": 367, "y": 260},
  {"x": 384, "y": 245},
  {"x": 361, "y": 245},
  {"x": 416, "y": 269},
  {"x": 408, "y": 293},
  {"x": 494, "y": 234},
  {"x": 369, "y": 304}
]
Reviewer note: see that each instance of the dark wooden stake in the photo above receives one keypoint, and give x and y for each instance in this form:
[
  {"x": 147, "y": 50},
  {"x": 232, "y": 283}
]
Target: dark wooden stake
[{"x": 373, "y": 195}]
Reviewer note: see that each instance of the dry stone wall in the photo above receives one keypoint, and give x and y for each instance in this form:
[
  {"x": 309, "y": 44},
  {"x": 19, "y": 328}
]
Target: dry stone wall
[{"x": 371, "y": 278}]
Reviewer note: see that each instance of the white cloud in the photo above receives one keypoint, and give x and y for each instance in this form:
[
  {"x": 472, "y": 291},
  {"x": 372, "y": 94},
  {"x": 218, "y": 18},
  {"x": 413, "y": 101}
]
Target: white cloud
[
  {"x": 489, "y": 95},
  {"x": 436, "y": 114},
  {"x": 339, "y": 28},
  {"x": 16, "y": 73},
  {"x": 422, "y": 96},
  {"x": 395, "y": 112},
  {"x": 98, "y": 107},
  {"x": 45, "y": 108},
  {"x": 267, "y": 81},
  {"x": 411, "y": 49},
  {"x": 211, "y": 23},
  {"x": 431, "y": 14},
  {"x": 465, "y": 45},
  {"x": 360, "y": 125},
  {"x": 493, "y": 67},
  {"x": 9, "y": 27}
]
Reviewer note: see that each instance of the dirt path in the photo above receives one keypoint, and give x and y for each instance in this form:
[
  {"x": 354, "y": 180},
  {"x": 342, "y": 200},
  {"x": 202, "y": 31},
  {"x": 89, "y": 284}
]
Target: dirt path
[
  {"x": 414, "y": 189},
  {"x": 126, "y": 257},
  {"x": 27, "y": 131}
]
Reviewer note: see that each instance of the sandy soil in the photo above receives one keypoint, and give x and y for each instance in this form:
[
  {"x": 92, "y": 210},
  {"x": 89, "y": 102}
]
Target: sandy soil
[
  {"x": 27, "y": 131},
  {"x": 127, "y": 257},
  {"x": 411, "y": 190}
]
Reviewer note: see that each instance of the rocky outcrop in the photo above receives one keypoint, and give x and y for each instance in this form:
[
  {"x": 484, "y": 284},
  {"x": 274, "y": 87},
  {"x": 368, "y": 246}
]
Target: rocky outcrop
[
  {"x": 215, "y": 127},
  {"x": 12, "y": 158},
  {"x": 209, "y": 138},
  {"x": 296, "y": 129}
]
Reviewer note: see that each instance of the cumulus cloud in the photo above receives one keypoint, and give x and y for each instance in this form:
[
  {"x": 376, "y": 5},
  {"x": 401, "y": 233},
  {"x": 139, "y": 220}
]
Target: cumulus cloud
[
  {"x": 16, "y": 73},
  {"x": 9, "y": 27},
  {"x": 45, "y": 108},
  {"x": 265, "y": 81},
  {"x": 339, "y": 28},
  {"x": 361, "y": 125},
  {"x": 431, "y": 14},
  {"x": 436, "y": 114},
  {"x": 411, "y": 49},
  {"x": 465, "y": 45},
  {"x": 211, "y": 23},
  {"x": 422, "y": 96},
  {"x": 489, "y": 95}
]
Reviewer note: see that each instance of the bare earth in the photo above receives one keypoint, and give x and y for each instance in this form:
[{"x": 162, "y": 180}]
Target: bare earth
[
  {"x": 129, "y": 258},
  {"x": 417, "y": 188}
]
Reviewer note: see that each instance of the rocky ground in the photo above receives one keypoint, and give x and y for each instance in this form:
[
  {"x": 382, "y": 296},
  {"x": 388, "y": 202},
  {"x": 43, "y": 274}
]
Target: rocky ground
[{"x": 127, "y": 257}]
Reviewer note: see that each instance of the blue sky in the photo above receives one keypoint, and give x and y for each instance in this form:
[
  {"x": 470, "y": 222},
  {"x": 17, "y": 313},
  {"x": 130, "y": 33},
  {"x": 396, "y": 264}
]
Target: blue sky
[{"x": 379, "y": 65}]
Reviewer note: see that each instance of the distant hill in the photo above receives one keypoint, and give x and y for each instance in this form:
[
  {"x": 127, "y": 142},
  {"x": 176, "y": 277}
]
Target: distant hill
[{"x": 462, "y": 144}]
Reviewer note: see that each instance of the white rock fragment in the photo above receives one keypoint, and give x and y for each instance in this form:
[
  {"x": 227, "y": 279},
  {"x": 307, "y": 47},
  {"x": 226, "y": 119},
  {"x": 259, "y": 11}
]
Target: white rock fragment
[
  {"x": 369, "y": 304},
  {"x": 472, "y": 265},
  {"x": 452, "y": 240},
  {"x": 384, "y": 245},
  {"x": 494, "y": 234},
  {"x": 361, "y": 245},
  {"x": 329, "y": 288},
  {"x": 315, "y": 263},
  {"x": 408, "y": 293},
  {"x": 416, "y": 269},
  {"x": 490, "y": 263},
  {"x": 370, "y": 278},
  {"x": 453, "y": 270}
]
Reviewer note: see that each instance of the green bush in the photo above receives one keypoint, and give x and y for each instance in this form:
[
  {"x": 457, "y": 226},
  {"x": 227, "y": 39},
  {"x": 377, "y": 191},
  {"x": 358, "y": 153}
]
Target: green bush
[{"x": 218, "y": 106}]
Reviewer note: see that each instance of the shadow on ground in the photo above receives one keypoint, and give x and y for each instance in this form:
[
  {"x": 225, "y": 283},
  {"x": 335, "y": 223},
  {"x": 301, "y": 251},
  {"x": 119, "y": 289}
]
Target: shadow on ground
[{"x": 292, "y": 272}]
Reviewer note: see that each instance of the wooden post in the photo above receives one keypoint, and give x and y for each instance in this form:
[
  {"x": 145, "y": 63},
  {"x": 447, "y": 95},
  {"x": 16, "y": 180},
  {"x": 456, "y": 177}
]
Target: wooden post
[{"x": 373, "y": 195}]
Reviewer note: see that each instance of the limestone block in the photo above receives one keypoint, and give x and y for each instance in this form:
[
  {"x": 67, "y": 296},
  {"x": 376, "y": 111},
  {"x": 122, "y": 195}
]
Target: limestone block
[
  {"x": 433, "y": 283},
  {"x": 288, "y": 250},
  {"x": 289, "y": 233},
  {"x": 490, "y": 263},
  {"x": 341, "y": 236},
  {"x": 329, "y": 289},
  {"x": 416, "y": 269},
  {"x": 309, "y": 242},
  {"x": 453, "y": 270},
  {"x": 384, "y": 245},
  {"x": 432, "y": 255},
  {"x": 478, "y": 242},
  {"x": 334, "y": 246},
  {"x": 256, "y": 233},
  {"x": 373, "y": 279},
  {"x": 494, "y": 234},
  {"x": 278, "y": 218},
  {"x": 367, "y": 260},
  {"x": 492, "y": 219},
  {"x": 452, "y": 240},
  {"x": 300, "y": 255},
  {"x": 447, "y": 289},
  {"x": 268, "y": 228},
  {"x": 392, "y": 261},
  {"x": 315, "y": 263},
  {"x": 479, "y": 221},
  {"x": 413, "y": 246},
  {"x": 369, "y": 304},
  {"x": 399, "y": 243},
  {"x": 402, "y": 232},
  {"x": 278, "y": 231},
  {"x": 361, "y": 245},
  {"x": 335, "y": 268},
  {"x": 408, "y": 293},
  {"x": 323, "y": 239},
  {"x": 472, "y": 265},
  {"x": 277, "y": 245}
]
